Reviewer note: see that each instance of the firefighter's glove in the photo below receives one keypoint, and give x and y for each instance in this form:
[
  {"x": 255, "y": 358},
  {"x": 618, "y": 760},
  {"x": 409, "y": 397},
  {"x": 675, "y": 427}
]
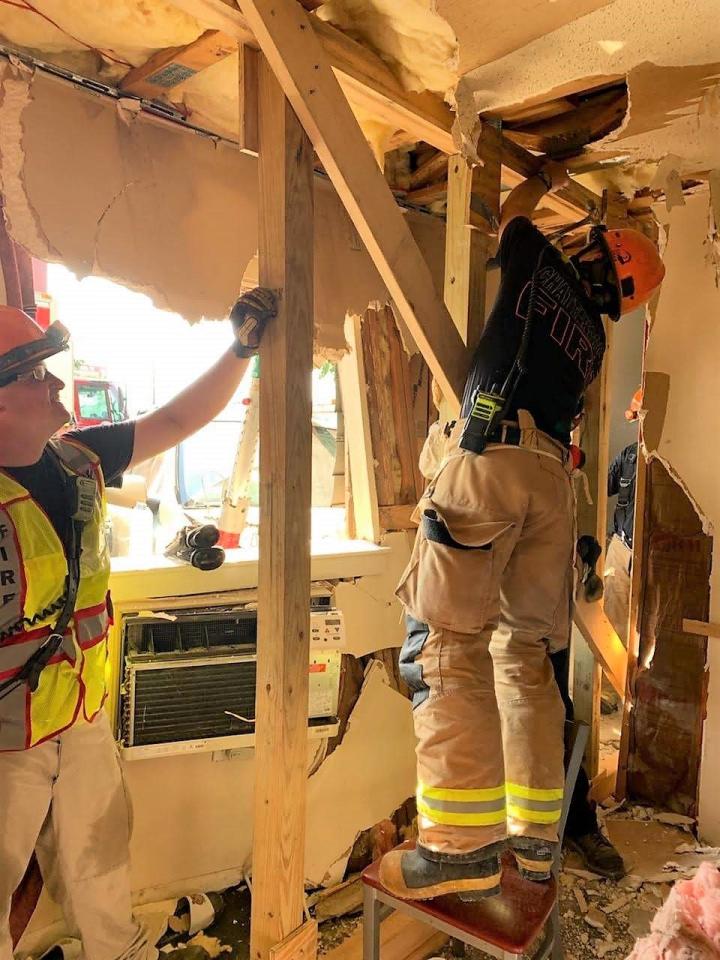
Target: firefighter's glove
[{"x": 249, "y": 317}]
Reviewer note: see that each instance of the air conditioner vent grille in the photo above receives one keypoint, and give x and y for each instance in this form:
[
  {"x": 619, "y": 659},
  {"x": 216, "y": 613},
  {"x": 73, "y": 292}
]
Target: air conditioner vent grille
[{"x": 177, "y": 703}]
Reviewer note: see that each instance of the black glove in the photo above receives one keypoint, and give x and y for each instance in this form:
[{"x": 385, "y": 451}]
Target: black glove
[{"x": 249, "y": 317}]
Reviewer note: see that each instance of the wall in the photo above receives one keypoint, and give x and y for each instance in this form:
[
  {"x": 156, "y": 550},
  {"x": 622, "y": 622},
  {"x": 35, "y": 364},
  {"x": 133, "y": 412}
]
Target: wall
[{"x": 683, "y": 422}]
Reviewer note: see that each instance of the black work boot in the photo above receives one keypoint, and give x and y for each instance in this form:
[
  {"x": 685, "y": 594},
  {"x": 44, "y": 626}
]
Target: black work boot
[
  {"x": 598, "y": 854},
  {"x": 422, "y": 874},
  {"x": 534, "y": 857}
]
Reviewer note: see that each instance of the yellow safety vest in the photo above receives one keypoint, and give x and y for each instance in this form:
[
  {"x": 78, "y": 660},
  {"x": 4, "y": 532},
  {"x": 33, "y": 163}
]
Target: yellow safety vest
[{"x": 33, "y": 568}]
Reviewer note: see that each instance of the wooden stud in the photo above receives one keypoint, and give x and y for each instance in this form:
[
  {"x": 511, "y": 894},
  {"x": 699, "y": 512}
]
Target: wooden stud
[
  {"x": 486, "y": 177},
  {"x": 592, "y": 519},
  {"x": 248, "y": 60},
  {"x": 286, "y": 265},
  {"x": 286, "y": 36},
  {"x": 168, "y": 69},
  {"x": 358, "y": 438},
  {"x": 430, "y": 193},
  {"x": 635, "y": 614}
]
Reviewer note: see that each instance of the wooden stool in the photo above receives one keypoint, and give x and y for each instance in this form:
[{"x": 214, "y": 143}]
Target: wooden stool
[{"x": 523, "y": 917}]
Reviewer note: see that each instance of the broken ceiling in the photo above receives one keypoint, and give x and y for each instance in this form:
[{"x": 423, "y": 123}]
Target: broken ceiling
[{"x": 485, "y": 57}]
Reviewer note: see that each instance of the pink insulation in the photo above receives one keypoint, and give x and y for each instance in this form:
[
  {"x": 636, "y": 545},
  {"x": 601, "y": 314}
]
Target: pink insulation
[{"x": 687, "y": 926}]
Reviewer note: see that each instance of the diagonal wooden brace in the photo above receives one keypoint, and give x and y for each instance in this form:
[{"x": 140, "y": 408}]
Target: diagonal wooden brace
[{"x": 305, "y": 73}]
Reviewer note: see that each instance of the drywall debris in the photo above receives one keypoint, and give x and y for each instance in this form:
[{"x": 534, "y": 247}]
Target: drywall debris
[
  {"x": 595, "y": 919},
  {"x": 367, "y": 777},
  {"x": 580, "y": 897},
  {"x": 667, "y": 178},
  {"x": 674, "y": 819}
]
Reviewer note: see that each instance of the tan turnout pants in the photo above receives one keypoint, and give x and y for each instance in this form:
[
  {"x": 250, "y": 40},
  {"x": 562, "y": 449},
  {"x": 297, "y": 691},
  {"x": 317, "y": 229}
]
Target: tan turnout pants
[
  {"x": 616, "y": 595},
  {"x": 66, "y": 796},
  {"x": 488, "y": 714}
]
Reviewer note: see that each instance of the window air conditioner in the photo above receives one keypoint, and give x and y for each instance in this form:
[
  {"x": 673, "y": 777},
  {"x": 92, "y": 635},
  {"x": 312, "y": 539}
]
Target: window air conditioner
[{"x": 188, "y": 681}]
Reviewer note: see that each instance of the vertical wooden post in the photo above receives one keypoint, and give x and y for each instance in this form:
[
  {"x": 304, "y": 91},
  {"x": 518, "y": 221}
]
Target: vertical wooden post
[
  {"x": 285, "y": 265},
  {"x": 592, "y": 519}
]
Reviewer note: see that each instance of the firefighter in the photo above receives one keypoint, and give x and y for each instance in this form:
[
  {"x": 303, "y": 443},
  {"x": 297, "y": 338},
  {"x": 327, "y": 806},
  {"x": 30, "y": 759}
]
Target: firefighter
[
  {"x": 618, "y": 560},
  {"x": 60, "y": 781},
  {"x": 490, "y": 573}
]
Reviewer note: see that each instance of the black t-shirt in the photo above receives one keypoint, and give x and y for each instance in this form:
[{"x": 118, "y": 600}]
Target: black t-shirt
[
  {"x": 621, "y": 481},
  {"x": 112, "y": 443},
  {"x": 567, "y": 341}
]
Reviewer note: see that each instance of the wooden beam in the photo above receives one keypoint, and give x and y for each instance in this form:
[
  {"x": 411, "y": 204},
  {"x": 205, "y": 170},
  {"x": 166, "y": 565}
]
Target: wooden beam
[
  {"x": 430, "y": 193},
  {"x": 371, "y": 86},
  {"x": 168, "y": 69},
  {"x": 296, "y": 55},
  {"x": 700, "y": 628},
  {"x": 639, "y": 561},
  {"x": 286, "y": 265},
  {"x": 353, "y": 384},
  {"x": 590, "y": 655},
  {"x": 465, "y": 255},
  {"x": 432, "y": 170},
  {"x": 572, "y": 131},
  {"x": 248, "y": 66}
]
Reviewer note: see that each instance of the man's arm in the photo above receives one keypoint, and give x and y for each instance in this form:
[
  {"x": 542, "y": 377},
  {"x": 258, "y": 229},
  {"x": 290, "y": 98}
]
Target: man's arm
[
  {"x": 208, "y": 396},
  {"x": 190, "y": 410},
  {"x": 523, "y": 199}
]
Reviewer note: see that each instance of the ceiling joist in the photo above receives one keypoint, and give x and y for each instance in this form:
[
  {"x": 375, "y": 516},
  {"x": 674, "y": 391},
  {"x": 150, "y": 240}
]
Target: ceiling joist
[
  {"x": 371, "y": 87},
  {"x": 168, "y": 69}
]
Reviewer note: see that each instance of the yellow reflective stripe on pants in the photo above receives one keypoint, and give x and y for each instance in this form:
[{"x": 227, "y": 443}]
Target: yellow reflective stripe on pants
[
  {"x": 461, "y": 796},
  {"x": 532, "y": 793},
  {"x": 534, "y": 816},
  {"x": 534, "y": 805},
  {"x": 454, "y": 807}
]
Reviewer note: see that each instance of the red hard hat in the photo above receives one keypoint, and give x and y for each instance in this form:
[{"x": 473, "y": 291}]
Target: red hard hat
[
  {"x": 23, "y": 343},
  {"x": 639, "y": 271}
]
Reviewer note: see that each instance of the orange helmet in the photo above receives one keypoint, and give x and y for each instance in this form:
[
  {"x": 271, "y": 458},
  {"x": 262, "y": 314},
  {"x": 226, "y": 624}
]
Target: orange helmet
[
  {"x": 633, "y": 411},
  {"x": 23, "y": 343},
  {"x": 638, "y": 269}
]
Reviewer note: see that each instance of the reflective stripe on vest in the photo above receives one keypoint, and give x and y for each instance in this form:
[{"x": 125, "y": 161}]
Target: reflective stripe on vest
[{"x": 33, "y": 568}]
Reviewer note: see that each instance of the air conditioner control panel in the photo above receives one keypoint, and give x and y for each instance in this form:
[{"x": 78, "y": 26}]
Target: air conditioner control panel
[{"x": 327, "y": 629}]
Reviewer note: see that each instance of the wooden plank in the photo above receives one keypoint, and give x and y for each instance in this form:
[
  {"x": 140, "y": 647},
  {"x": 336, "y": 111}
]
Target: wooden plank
[
  {"x": 168, "y": 69},
  {"x": 596, "y": 647},
  {"x": 392, "y": 432},
  {"x": 604, "y": 643},
  {"x": 305, "y": 73},
  {"x": 301, "y": 944},
  {"x": 431, "y": 170},
  {"x": 701, "y": 628},
  {"x": 486, "y": 178},
  {"x": 248, "y": 64},
  {"x": 430, "y": 193},
  {"x": 353, "y": 383},
  {"x": 286, "y": 265}
]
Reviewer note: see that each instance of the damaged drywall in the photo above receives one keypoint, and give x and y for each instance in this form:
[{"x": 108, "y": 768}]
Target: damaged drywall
[
  {"x": 367, "y": 777},
  {"x": 161, "y": 209},
  {"x": 682, "y": 421},
  {"x": 373, "y": 616},
  {"x": 670, "y": 59}
]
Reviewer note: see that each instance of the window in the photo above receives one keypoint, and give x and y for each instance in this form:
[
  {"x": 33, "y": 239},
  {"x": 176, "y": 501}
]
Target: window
[{"x": 93, "y": 402}]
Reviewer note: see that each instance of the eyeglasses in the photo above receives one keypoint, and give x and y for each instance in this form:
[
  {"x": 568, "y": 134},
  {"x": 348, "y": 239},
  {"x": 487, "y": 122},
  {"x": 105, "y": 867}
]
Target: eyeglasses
[{"x": 38, "y": 372}]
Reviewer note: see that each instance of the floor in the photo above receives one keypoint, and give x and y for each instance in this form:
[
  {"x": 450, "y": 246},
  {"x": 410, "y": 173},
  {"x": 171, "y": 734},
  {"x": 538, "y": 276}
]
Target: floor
[{"x": 600, "y": 918}]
